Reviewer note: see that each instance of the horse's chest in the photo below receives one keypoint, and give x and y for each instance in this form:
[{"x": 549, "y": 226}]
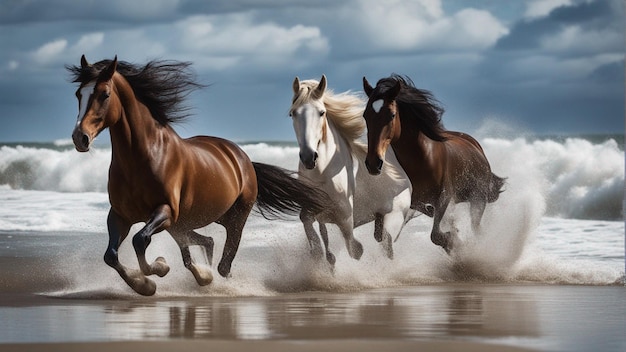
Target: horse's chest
[{"x": 136, "y": 198}]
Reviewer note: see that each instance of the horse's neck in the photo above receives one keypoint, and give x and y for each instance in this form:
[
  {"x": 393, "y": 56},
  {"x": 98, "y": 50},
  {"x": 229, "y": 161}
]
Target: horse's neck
[
  {"x": 136, "y": 136},
  {"x": 334, "y": 148},
  {"x": 412, "y": 146}
]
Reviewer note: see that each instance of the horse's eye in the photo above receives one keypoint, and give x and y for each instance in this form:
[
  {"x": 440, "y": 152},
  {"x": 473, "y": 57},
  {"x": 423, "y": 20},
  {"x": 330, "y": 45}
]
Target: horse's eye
[
  {"x": 104, "y": 96},
  {"x": 322, "y": 113}
]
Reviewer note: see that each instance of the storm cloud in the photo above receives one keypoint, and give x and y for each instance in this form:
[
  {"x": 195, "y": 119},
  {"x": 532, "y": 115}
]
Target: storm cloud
[{"x": 551, "y": 66}]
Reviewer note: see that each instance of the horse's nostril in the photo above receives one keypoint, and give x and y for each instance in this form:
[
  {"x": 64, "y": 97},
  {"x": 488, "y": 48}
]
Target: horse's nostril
[
  {"x": 85, "y": 140},
  {"x": 380, "y": 164},
  {"x": 315, "y": 157}
]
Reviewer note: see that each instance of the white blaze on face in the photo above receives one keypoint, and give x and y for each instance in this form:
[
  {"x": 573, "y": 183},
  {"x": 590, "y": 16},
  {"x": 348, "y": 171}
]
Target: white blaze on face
[
  {"x": 85, "y": 94},
  {"x": 377, "y": 105}
]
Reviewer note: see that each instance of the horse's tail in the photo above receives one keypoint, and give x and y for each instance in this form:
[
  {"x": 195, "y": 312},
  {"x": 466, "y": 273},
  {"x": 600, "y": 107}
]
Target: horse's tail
[
  {"x": 495, "y": 187},
  {"x": 281, "y": 192}
]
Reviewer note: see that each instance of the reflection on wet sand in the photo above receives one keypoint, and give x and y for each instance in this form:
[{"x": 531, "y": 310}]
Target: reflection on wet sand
[{"x": 425, "y": 312}]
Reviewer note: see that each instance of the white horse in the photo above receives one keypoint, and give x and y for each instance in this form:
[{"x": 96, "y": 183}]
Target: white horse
[{"x": 328, "y": 128}]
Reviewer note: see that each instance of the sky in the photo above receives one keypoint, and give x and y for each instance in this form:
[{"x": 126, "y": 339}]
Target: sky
[{"x": 522, "y": 66}]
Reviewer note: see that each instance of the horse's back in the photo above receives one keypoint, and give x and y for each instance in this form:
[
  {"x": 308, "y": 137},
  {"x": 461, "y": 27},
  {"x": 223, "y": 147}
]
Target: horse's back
[
  {"x": 217, "y": 173},
  {"x": 468, "y": 167}
]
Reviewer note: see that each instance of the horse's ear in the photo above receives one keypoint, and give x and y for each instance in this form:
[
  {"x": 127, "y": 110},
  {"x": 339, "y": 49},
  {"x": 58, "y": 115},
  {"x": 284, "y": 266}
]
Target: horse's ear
[
  {"x": 367, "y": 87},
  {"x": 83, "y": 62},
  {"x": 109, "y": 71},
  {"x": 321, "y": 88},
  {"x": 296, "y": 85}
]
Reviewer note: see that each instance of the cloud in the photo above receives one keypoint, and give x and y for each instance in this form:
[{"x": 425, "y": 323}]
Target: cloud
[
  {"x": 577, "y": 29},
  {"x": 423, "y": 25},
  {"x": 541, "y": 8},
  {"x": 88, "y": 42},
  {"x": 232, "y": 39},
  {"x": 49, "y": 51},
  {"x": 122, "y": 11}
]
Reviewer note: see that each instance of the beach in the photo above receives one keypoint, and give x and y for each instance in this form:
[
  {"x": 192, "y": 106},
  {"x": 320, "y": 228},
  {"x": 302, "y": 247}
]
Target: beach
[
  {"x": 48, "y": 302},
  {"x": 545, "y": 273}
]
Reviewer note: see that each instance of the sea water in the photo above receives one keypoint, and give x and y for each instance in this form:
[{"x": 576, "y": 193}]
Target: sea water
[{"x": 558, "y": 221}]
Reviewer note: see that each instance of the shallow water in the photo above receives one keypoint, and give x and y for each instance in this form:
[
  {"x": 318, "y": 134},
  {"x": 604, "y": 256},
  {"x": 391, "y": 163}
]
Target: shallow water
[{"x": 548, "y": 318}]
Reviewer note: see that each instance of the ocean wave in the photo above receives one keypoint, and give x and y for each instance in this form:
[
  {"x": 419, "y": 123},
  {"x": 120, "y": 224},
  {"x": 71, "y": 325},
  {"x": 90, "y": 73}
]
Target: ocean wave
[{"x": 578, "y": 178}]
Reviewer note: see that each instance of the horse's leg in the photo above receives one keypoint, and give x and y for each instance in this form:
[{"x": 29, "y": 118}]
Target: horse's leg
[
  {"x": 477, "y": 208},
  {"x": 324, "y": 233},
  {"x": 436, "y": 236},
  {"x": 159, "y": 221},
  {"x": 202, "y": 275},
  {"x": 355, "y": 248},
  {"x": 314, "y": 241},
  {"x": 233, "y": 220},
  {"x": 118, "y": 230},
  {"x": 382, "y": 235}
]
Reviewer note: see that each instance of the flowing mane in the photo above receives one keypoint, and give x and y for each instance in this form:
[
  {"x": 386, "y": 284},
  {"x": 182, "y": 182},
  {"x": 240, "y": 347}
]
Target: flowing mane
[
  {"x": 418, "y": 104},
  {"x": 345, "y": 110},
  {"x": 160, "y": 85}
]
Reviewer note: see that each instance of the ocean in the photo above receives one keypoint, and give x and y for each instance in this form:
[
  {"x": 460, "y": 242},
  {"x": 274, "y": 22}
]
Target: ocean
[{"x": 559, "y": 221}]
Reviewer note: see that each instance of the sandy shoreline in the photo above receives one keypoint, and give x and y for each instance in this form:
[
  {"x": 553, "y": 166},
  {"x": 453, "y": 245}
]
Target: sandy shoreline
[
  {"x": 445, "y": 317},
  {"x": 52, "y": 303},
  {"x": 264, "y": 346}
]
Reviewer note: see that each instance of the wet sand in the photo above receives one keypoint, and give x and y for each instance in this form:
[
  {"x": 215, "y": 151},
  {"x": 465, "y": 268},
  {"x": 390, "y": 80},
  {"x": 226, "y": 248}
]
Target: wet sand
[
  {"x": 448, "y": 317},
  {"x": 37, "y": 313}
]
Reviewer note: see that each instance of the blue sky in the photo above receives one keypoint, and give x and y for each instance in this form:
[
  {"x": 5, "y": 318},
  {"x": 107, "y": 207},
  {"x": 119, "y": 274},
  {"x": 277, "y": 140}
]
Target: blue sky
[{"x": 533, "y": 66}]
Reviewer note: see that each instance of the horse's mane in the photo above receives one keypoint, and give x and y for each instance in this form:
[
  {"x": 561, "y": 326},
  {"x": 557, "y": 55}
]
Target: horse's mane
[
  {"x": 345, "y": 109},
  {"x": 161, "y": 85},
  {"x": 418, "y": 104}
]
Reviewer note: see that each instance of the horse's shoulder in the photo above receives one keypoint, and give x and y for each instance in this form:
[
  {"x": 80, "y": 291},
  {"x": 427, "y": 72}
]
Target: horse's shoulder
[{"x": 219, "y": 148}]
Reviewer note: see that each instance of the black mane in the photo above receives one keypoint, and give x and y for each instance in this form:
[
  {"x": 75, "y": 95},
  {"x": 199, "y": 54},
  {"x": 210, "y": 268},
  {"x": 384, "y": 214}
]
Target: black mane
[
  {"x": 160, "y": 85},
  {"x": 418, "y": 104}
]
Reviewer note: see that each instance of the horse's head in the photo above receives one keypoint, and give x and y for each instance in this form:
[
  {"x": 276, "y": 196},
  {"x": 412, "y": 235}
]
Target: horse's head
[
  {"x": 94, "y": 101},
  {"x": 309, "y": 118},
  {"x": 383, "y": 124}
]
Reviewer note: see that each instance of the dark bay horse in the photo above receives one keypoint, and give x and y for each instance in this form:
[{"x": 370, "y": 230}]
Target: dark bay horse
[
  {"x": 442, "y": 165},
  {"x": 171, "y": 183}
]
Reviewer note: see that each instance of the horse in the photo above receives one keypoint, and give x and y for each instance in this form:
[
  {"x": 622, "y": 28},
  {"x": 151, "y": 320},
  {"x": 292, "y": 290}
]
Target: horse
[
  {"x": 328, "y": 127},
  {"x": 167, "y": 182},
  {"x": 442, "y": 165}
]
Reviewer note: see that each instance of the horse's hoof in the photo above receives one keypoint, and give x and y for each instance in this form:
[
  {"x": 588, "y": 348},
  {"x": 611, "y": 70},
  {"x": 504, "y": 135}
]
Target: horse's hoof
[
  {"x": 203, "y": 276},
  {"x": 224, "y": 270},
  {"x": 145, "y": 287},
  {"x": 160, "y": 267},
  {"x": 356, "y": 250}
]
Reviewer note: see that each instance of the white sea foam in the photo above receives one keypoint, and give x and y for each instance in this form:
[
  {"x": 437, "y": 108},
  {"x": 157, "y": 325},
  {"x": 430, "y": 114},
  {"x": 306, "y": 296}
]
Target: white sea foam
[{"x": 578, "y": 179}]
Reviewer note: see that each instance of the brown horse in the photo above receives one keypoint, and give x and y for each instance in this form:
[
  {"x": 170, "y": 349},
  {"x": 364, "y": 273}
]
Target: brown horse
[
  {"x": 171, "y": 183},
  {"x": 442, "y": 165}
]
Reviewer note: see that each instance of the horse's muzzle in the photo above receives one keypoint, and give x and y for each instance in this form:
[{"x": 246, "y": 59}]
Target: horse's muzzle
[
  {"x": 375, "y": 169},
  {"x": 81, "y": 140},
  {"x": 309, "y": 160}
]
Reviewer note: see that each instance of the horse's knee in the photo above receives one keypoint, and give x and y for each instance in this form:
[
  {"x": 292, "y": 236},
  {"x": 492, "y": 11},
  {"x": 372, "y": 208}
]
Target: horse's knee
[{"x": 140, "y": 242}]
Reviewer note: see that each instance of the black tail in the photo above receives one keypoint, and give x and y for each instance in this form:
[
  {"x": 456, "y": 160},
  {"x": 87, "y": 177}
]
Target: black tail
[
  {"x": 281, "y": 192},
  {"x": 495, "y": 188}
]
